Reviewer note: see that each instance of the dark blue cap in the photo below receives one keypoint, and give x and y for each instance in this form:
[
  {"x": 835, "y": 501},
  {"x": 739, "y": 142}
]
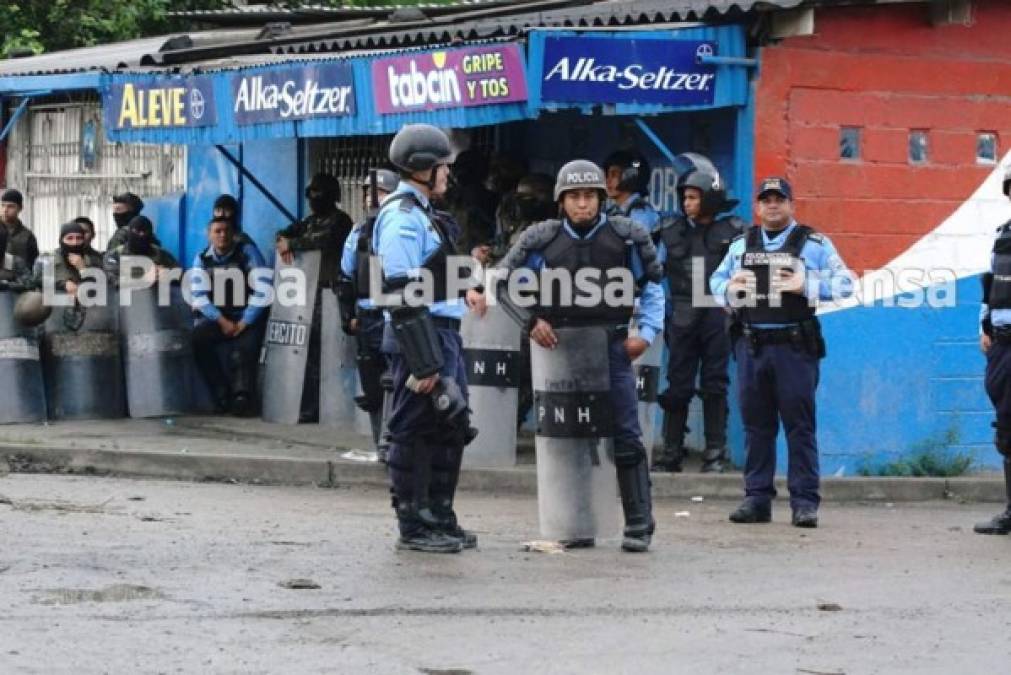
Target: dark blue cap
[{"x": 775, "y": 184}]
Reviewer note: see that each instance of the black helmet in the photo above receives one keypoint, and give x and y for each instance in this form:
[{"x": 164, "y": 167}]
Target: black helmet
[
  {"x": 635, "y": 170},
  {"x": 698, "y": 171},
  {"x": 1007, "y": 181},
  {"x": 325, "y": 184},
  {"x": 418, "y": 147},
  {"x": 580, "y": 174}
]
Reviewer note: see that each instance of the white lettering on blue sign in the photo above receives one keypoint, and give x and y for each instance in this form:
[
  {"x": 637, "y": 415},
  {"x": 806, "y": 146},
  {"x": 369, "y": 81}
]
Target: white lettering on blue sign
[
  {"x": 291, "y": 101},
  {"x": 633, "y": 76}
]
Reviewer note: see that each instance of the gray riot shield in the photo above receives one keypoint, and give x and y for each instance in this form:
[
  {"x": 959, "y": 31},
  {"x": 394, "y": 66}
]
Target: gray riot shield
[
  {"x": 157, "y": 345},
  {"x": 647, "y": 381},
  {"x": 338, "y": 382},
  {"x": 23, "y": 397},
  {"x": 82, "y": 362},
  {"x": 492, "y": 352},
  {"x": 286, "y": 345},
  {"x": 577, "y": 491}
]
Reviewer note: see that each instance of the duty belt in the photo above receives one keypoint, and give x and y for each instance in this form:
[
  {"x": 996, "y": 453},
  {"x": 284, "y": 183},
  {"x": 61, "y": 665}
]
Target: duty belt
[
  {"x": 775, "y": 336},
  {"x": 1002, "y": 334}
]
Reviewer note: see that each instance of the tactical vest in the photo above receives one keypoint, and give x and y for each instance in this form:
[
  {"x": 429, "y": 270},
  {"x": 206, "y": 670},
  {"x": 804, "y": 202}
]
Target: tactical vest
[
  {"x": 791, "y": 307},
  {"x": 363, "y": 258},
  {"x": 235, "y": 297},
  {"x": 604, "y": 251},
  {"x": 685, "y": 244},
  {"x": 1000, "y": 289},
  {"x": 437, "y": 262}
]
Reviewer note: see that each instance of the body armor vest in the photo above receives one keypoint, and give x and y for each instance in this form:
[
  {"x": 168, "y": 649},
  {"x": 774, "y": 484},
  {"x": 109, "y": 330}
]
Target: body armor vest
[
  {"x": 604, "y": 251},
  {"x": 437, "y": 262},
  {"x": 788, "y": 307},
  {"x": 226, "y": 294},
  {"x": 685, "y": 244},
  {"x": 1000, "y": 289}
]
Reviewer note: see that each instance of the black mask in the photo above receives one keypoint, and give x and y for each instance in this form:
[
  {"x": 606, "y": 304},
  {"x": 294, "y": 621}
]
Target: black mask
[
  {"x": 122, "y": 219},
  {"x": 138, "y": 243},
  {"x": 321, "y": 204},
  {"x": 67, "y": 249}
]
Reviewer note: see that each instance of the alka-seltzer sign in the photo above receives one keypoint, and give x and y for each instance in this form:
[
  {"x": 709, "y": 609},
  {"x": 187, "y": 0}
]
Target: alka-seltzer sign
[
  {"x": 308, "y": 92},
  {"x": 449, "y": 79},
  {"x": 160, "y": 102},
  {"x": 617, "y": 70}
]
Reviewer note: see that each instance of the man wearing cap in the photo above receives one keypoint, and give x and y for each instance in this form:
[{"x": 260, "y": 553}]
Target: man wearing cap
[
  {"x": 323, "y": 230},
  {"x": 139, "y": 243},
  {"x": 69, "y": 260},
  {"x": 20, "y": 240},
  {"x": 995, "y": 341},
  {"x": 772, "y": 278},
  {"x": 125, "y": 207},
  {"x": 583, "y": 239},
  {"x": 359, "y": 315},
  {"x": 429, "y": 422},
  {"x": 89, "y": 235},
  {"x": 628, "y": 176}
]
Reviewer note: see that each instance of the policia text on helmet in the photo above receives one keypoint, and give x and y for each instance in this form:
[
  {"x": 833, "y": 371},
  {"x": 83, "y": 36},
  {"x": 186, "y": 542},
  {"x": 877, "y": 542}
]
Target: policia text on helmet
[{"x": 580, "y": 191}]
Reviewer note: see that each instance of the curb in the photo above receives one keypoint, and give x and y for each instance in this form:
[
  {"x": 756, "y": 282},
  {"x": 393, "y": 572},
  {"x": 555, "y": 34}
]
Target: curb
[{"x": 522, "y": 480}]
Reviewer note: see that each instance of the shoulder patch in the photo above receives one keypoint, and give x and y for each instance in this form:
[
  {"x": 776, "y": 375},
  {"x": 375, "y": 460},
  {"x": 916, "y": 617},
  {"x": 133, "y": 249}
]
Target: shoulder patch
[{"x": 816, "y": 238}]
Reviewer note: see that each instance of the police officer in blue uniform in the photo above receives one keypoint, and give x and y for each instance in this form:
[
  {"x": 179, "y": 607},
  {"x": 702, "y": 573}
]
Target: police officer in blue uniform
[
  {"x": 585, "y": 238},
  {"x": 231, "y": 322},
  {"x": 995, "y": 341},
  {"x": 359, "y": 315},
  {"x": 696, "y": 334},
  {"x": 429, "y": 421},
  {"x": 628, "y": 175},
  {"x": 773, "y": 277}
]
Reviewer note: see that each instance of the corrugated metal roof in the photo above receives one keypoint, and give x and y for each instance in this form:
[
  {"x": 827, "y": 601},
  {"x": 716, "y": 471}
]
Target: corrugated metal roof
[
  {"x": 259, "y": 14},
  {"x": 492, "y": 22}
]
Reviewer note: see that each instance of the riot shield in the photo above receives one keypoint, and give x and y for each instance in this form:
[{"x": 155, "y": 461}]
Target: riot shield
[
  {"x": 157, "y": 345},
  {"x": 577, "y": 490},
  {"x": 22, "y": 396},
  {"x": 492, "y": 352},
  {"x": 647, "y": 381},
  {"x": 286, "y": 345},
  {"x": 338, "y": 382},
  {"x": 82, "y": 362}
]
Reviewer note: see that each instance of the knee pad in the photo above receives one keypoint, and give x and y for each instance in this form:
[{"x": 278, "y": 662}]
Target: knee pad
[
  {"x": 1003, "y": 439},
  {"x": 628, "y": 453}
]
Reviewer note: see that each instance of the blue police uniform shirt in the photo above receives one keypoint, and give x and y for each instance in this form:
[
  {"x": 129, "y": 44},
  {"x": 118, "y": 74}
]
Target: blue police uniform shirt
[
  {"x": 825, "y": 269},
  {"x": 348, "y": 259},
  {"x": 202, "y": 296},
  {"x": 405, "y": 240},
  {"x": 649, "y": 312},
  {"x": 638, "y": 209},
  {"x": 998, "y": 317}
]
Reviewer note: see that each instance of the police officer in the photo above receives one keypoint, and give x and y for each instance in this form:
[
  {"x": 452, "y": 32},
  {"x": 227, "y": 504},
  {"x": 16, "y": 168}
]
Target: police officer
[
  {"x": 359, "y": 315},
  {"x": 628, "y": 188},
  {"x": 696, "y": 332},
  {"x": 230, "y": 311},
  {"x": 70, "y": 259},
  {"x": 20, "y": 240},
  {"x": 995, "y": 341},
  {"x": 586, "y": 238},
  {"x": 138, "y": 243},
  {"x": 773, "y": 278},
  {"x": 125, "y": 207},
  {"x": 227, "y": 206},
  {"x": 429, "y": 423},
  {"x": 324, "y": 230}
]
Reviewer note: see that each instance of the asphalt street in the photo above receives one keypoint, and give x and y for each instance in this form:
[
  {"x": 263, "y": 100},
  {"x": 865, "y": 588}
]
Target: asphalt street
[{"x": 114, "y": 575}]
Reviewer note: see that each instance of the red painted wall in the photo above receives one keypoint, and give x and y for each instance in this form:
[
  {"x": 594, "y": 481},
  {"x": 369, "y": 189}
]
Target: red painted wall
[{"x": 887, "y": 70}]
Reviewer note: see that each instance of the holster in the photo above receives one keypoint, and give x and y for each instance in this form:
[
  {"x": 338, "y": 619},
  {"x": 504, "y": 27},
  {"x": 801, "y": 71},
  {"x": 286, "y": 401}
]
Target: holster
[{"x": 811, "y": 338}]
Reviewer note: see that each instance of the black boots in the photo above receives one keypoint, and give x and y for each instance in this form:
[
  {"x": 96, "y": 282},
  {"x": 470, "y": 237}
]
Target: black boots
[
  {"x": 445, "y": 476},
  {"x": 675, "y": 424},
  {"x": 714, "y": 416},
  {"x": 417, "y": 534},
  {"x": 637, "y": 503},
  {"x": 751, "y": 511},
  {"x": 1001, "y": 523}
]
